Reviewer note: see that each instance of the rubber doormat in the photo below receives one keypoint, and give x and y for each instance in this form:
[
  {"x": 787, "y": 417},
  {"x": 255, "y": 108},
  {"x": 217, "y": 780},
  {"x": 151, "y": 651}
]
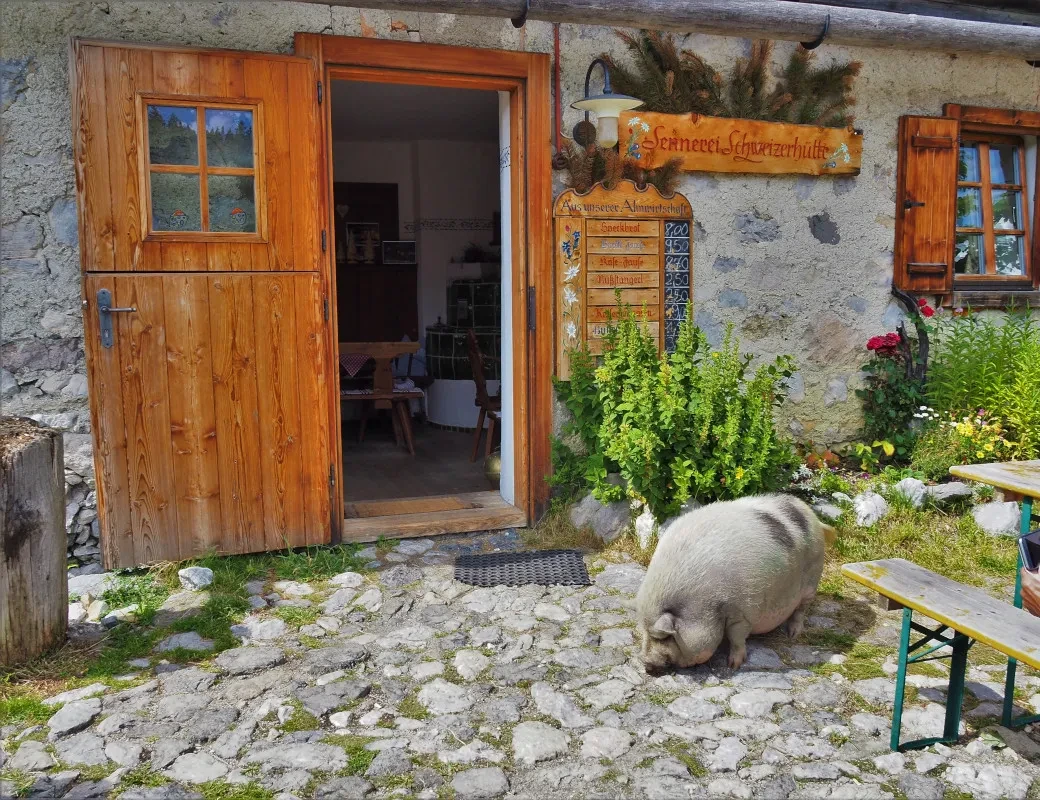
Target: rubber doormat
[{"x": 543, "y": 567}]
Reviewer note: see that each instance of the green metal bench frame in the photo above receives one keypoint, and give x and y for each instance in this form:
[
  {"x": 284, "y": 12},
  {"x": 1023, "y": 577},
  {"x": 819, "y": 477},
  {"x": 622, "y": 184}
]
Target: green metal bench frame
[{"x": 1009, "y": 720}]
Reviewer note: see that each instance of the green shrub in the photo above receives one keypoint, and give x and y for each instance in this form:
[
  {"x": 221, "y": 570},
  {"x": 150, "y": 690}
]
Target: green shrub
[
  {"x": 980, "y": 364},
  {"x": 693, "y": 424}
]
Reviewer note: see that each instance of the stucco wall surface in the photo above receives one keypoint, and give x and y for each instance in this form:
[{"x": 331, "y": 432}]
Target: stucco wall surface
[{"x": 799, "y": 265}]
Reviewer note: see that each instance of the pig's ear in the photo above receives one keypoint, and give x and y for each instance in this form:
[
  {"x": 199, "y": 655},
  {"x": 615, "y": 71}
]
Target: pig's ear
[{"x": 664, "y": 627}]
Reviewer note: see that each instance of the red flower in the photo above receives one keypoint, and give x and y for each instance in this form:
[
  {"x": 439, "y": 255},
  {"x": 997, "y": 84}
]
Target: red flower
[
  {"x": 927, "y": 310},
  {"x": 921, "y": 302},
  {"x": 886, "y": 345}
]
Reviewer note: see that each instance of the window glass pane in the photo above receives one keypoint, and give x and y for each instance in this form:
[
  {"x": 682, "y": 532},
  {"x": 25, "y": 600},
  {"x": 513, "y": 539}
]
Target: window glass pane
[
  {"x": 969, "y": 163},
  {"x": 1011, "y": 256},
  {"x": 968, "y": 254},
  {"x": 1003, "y": 163},
  {"x": 173, "y": 135},
  {"x": 231, "y": 204},
  {"x": 1007, "y": 210},
  {"x": 229, "y": 137},
  {"x": 969, "y": 208},
  {"x": 175, "y": 202}
]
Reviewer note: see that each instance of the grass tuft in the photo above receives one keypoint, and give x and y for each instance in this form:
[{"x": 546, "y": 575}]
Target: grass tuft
[
  {"x": 358, "y": 758},
  {"x": 296, "y": 616},
  {"x": 411, "y": 707},
  {"x": 222, "y": 790}
]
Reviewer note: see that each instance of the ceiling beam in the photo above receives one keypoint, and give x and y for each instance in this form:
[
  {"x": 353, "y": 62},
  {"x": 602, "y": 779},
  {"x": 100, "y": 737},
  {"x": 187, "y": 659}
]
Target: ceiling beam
[{"x": 765, "y": 19}]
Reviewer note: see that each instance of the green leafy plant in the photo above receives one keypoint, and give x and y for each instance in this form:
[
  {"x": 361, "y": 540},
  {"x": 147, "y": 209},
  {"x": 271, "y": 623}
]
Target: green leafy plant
[
  {"x": 693, "y": 424},
  {"x": 980, "y": 363}
]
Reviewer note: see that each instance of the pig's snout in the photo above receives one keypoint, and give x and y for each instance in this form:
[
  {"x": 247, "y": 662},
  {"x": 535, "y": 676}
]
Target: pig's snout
[{"x": 655, "y": 670}]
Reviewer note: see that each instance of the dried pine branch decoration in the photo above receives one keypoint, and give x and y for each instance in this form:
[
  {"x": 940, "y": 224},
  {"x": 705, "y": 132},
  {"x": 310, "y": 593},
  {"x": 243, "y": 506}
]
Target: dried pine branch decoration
[
  {"x": 675, "y": 81},
  {"x": 586, "y": 167}
]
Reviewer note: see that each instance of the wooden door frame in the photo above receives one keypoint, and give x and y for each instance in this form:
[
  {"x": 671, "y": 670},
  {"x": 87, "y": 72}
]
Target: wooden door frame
[{"x": 526, "y": 77}]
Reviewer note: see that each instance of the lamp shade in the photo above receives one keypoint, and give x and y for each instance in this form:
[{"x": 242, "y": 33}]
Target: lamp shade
[{"x": 607, "y": 107}]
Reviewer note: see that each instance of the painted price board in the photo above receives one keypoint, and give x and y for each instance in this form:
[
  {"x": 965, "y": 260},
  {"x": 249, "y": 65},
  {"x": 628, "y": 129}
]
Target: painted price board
[
  {"x": 719, "y": 144},
  {"x": 627, "y": 240}
]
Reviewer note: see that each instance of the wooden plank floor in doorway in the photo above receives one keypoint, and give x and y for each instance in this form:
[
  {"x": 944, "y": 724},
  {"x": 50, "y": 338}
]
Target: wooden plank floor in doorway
[{"x": 429, "y": 516}]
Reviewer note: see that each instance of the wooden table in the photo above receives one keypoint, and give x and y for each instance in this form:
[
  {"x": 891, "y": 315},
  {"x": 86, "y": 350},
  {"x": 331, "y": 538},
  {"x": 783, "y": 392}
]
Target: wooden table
[
  {"x": 383, "y": 394},
  {"x": 1019, "y": 480},
  {"x": 383, "y": 353}
]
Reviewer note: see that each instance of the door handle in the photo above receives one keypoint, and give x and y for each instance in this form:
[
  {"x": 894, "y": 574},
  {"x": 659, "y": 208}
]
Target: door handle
[
  {"x": 908, "y": 204},
  {"x": 105, "y": 312}
]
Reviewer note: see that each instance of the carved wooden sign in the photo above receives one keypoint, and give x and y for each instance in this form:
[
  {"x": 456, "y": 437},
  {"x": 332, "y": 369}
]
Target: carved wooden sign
[
  {"x": 631, "y": 240},
  {"x": 718, "y": 144}
]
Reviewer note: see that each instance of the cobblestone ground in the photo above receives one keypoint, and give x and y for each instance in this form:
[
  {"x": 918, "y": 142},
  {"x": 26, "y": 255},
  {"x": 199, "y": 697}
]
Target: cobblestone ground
[{"x": 410, "y": 684}]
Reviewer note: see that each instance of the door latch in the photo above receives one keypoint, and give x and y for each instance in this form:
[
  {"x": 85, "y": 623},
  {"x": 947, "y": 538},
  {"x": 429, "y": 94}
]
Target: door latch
[
  {"x": 908, "y": 204},
  {"x": 105, "y": 312}
]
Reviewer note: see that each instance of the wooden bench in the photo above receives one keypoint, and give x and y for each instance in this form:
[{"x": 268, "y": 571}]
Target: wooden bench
[{"x": 965, "y": 615}]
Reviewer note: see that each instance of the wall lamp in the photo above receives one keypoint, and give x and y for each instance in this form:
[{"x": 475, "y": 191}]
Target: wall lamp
[{"x": 606, "y": 106}]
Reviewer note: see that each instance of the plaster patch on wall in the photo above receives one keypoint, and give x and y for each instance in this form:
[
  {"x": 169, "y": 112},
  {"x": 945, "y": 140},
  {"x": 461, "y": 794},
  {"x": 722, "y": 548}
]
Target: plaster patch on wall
[
  {"x": 732, "y": 298},
  {"x": 837, "y": 391},
  {"x": 824, "y": 229},
  {"x": 727, "y": 263},
  {"x": 857, "y": 304},
  {"x": 711, "y": 327},
  {"x": 754, "y": 226},
  {"x": 804, "y": 186},
  {"x": 796, "y": 388}
]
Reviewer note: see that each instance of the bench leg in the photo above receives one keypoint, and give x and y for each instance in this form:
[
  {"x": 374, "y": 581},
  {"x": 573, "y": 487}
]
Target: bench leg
[
  {"x": 904, "y": 654},
  {"x": 1008, "y": 719},
  {"x": 959, "y": 644}
]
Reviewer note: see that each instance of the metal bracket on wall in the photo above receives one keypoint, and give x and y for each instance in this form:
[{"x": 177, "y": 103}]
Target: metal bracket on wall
[
  {"x": 519, "y": 22},
  {"x": 819, "y": 39}
]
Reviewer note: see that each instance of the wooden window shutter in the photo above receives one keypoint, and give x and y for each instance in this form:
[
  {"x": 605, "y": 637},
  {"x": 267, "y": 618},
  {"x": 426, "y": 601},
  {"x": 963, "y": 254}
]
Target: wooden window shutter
[{"x": 926, "y": 204}]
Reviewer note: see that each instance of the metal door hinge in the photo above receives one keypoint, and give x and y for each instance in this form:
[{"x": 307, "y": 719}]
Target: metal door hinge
[
  {"x": 325, "y": 305},
  {"x": 321, "y": 92},
  {"x": 332, "y": 477},
  {"x": 530, "y": 308},
  {"x": 324, "y": 241}
]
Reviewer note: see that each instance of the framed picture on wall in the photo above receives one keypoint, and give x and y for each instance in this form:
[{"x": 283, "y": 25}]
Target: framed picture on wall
[
  {"x": 363, "y": 243},
  {"x": 398, "y": 252}
]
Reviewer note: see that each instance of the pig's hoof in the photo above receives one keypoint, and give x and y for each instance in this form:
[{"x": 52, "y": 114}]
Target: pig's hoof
[
  {"x": 737, "y": 657},
  {"x": 795, "y": 626}
]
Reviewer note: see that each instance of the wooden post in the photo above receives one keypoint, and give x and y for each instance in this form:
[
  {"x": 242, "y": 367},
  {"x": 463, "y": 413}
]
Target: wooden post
[{"x": 33, "y": 582}]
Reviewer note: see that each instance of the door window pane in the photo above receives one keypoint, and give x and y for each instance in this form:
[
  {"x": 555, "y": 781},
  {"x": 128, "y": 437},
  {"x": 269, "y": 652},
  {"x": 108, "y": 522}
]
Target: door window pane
[
  {"x": 969, "y": 164},
  {"x": 175, "y": 202},
  {"x": 969, "y": 208},
  {"x": 1007, "y": 210},
  {"x": 1011, "y": 256},
  {"x": 232, "y": 207},
  {"x": 969, "y": 255},
  {"x": 229, "y": 137},
  {"x": 173, "y": 135},
  {"x": 1003, "y": 163}
]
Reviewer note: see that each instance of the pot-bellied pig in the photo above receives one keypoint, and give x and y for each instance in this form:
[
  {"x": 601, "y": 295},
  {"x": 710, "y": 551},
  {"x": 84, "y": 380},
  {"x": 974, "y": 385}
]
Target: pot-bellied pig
[{"x": 728, "y": 570}]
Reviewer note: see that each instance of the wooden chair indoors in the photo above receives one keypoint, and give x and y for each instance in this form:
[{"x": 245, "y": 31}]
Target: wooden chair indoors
[{"x": 490, "y": 407}]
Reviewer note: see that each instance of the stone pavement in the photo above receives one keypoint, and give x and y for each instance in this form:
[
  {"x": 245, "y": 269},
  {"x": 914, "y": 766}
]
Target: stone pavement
[{"x": 413, "y": 685}]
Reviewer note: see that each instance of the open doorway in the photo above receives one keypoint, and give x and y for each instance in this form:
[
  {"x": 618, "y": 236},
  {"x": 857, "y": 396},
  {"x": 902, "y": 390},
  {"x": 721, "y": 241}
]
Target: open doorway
[{"x": 423, "y": 306}]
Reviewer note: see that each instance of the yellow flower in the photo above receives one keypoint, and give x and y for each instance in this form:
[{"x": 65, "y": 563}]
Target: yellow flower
[
  {"x": 989, "y": 446},
  {"x": 739, "y": 473},
  {"x": 980, "y": 454}
]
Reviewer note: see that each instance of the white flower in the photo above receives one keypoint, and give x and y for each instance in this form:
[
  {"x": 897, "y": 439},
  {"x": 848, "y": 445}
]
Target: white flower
[
  {"x": 572, "y": 330},
  {"x": 636, "y": 121},
  {"x": 644, "y": 127},
  {"x": 923, "y": 408},
  {"x": 571, "y": 273},
  {"x": 569, "y": 296}
]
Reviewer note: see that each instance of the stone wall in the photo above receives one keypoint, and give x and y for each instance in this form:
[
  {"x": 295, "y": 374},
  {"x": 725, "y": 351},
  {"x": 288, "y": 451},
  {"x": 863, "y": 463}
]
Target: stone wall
[{"x": 799, "y": 265}]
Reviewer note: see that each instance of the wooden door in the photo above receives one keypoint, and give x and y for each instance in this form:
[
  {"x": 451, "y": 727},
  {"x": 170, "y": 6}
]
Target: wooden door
[{"x": 201, "y": 218}]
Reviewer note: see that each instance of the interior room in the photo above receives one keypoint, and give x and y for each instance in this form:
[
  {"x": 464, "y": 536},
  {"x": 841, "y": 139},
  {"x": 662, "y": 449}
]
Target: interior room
[{"x": 418, "y": 250}]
